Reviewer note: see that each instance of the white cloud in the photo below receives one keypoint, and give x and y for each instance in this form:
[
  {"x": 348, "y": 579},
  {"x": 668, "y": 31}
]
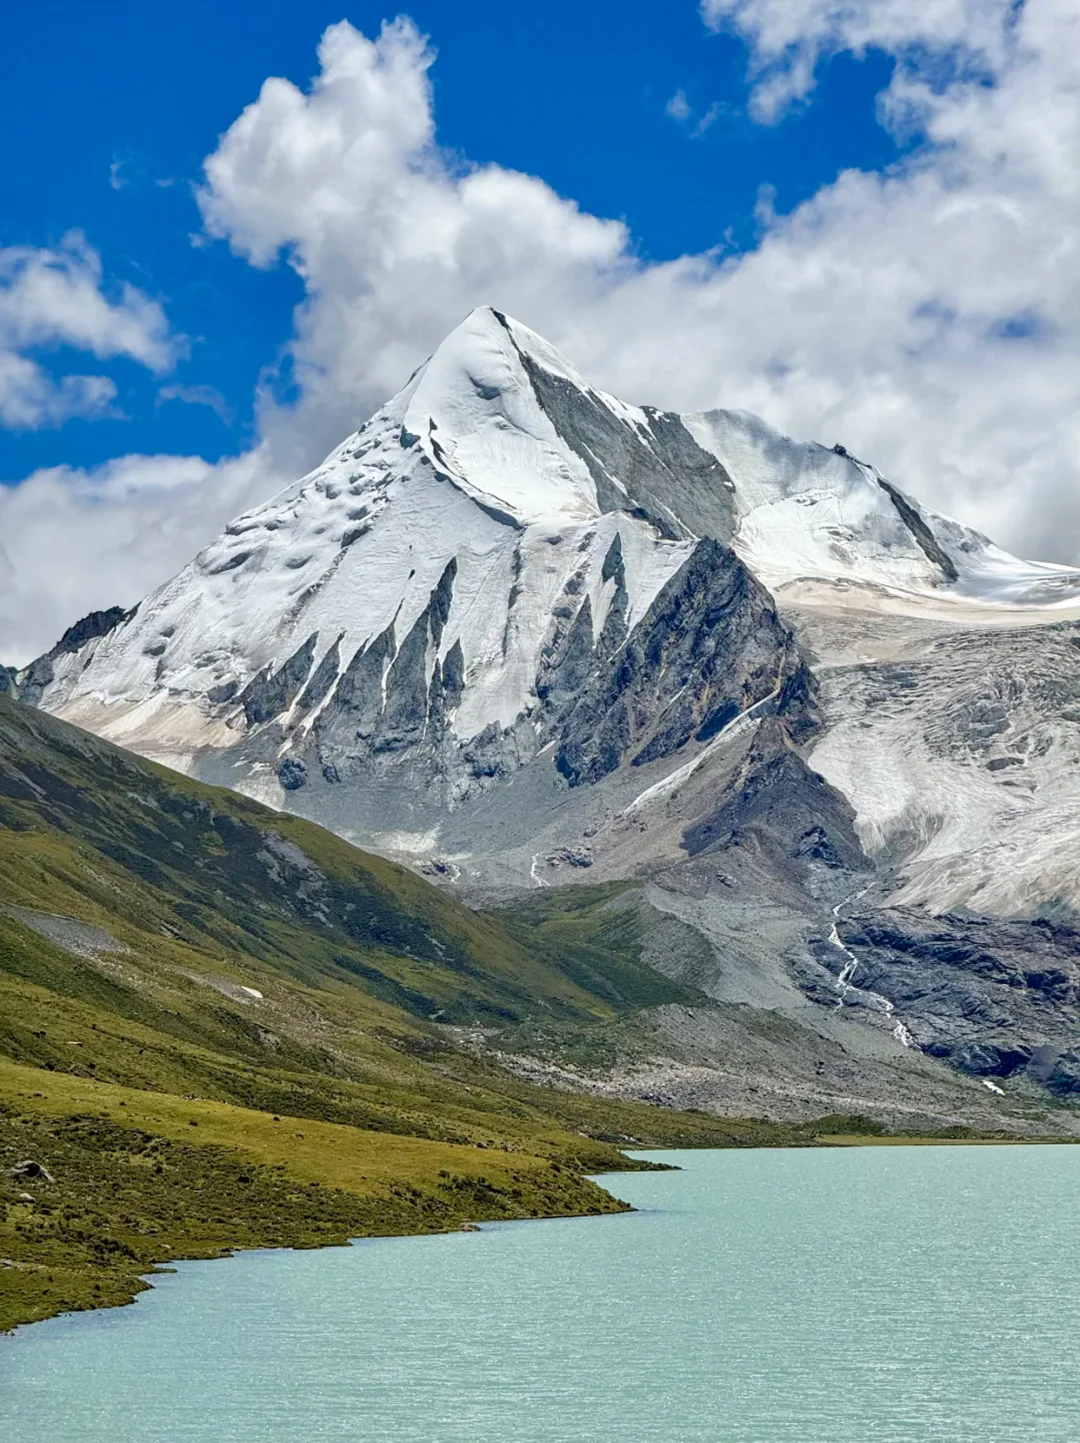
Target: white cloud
[
  {"x": 74, "y": 541},
  {"x": 55, "y": 297},
  {"x": 928, "y": 317},
  {"x": 707, "y": 119},
  {"x": 30, "y": 398},
  {"x": 678, "y": 107},
  {"x": 197, "y": 396},
  {"x": 395, "y": 240},
  {"x": 956, "y": 38},
  {"x": 681, "y": 111}
]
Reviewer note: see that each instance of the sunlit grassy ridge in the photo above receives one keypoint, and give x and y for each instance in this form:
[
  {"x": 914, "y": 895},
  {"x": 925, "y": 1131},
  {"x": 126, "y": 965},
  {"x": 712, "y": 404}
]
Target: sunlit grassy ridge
[{"x": 142, "y": 846}]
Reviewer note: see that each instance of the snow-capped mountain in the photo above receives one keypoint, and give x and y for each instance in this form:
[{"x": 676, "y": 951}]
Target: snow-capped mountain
[
  {"x": 457, "y": 584},
  {"x": 451, "y": 564},
  {"x": 520, "y": 632}
]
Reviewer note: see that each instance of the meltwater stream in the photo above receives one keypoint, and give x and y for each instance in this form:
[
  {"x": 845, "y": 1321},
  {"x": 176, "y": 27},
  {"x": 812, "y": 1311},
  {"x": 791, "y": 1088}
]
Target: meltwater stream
[
  {"x": 731, "y": 1309},
  {"x": 846, "y": 984}
]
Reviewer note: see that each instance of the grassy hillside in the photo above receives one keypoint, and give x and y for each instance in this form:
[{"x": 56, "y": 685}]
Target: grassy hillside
[
  {"x": 223, "y": 1027},
  {"x": 138, "y": 846}
]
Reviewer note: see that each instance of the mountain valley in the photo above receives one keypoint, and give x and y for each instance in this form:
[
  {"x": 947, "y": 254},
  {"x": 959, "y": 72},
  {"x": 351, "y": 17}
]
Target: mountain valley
[{"x": 679, "y": 678}]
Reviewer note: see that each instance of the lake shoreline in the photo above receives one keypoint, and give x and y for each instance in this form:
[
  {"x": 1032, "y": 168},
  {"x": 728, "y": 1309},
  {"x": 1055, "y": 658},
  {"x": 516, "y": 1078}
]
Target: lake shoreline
[{"x": 387, "y": 1218}]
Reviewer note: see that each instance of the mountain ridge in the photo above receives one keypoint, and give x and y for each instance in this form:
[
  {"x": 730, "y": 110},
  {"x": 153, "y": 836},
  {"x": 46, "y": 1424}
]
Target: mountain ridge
[{"x": 520, "y": 634}]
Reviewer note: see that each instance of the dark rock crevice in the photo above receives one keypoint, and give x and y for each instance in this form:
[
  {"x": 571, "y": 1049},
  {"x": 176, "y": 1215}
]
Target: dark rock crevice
[
  {"x": 911, "y": 516},
  {"x": 270, "y": 693},
  {"x": 917, "y": 525},
  {"x": 322, "y": 678}
]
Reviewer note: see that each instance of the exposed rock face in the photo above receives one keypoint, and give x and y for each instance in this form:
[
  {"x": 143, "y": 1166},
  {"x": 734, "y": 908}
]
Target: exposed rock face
[
  {"x": 786, "y": 807},
  {"x": 655, "y": 470},
  {"x": 31, "y": 684},
  {"x": 996, "y": 999},
  {"x": 89, "y": 628},
  {"x": 273, "y": 692},
  {"x": 709, "y": 647}
]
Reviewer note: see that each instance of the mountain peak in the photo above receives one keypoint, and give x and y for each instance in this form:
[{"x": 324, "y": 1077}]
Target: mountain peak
[
  {"x": 478, "y": 417},
  {"x": 487, "y": 333}
]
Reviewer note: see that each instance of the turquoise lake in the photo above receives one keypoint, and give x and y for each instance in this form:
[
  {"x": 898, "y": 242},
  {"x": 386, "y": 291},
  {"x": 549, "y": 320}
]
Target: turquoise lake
[{"x": 871, "y": 1295}]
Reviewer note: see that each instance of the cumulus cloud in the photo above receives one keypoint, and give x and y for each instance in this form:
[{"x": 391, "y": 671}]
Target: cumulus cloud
[
  {"x": 396, "y": 241},
  {"x": 30, "y": 398},
  {"x": 56, "y": 297},
  {"x": 953, "y": 39},
  {"x": 73, "y": 541},
  {"x": 928, "y": 316}
]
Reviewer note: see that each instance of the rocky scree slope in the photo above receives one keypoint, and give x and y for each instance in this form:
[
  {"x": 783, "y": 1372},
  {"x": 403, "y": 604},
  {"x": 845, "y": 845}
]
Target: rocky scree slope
[{"x": 519, "y": 633}]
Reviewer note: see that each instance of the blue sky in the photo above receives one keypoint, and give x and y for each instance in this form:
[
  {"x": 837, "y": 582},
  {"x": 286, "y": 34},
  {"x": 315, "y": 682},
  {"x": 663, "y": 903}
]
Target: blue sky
[
  {"x": 116, "y": 106},
  {"x": 231, "y": 230}
]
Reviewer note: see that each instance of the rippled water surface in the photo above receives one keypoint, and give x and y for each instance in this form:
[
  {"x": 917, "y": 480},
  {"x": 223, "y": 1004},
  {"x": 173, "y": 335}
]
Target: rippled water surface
[{"x": 872, "y": 1295}]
